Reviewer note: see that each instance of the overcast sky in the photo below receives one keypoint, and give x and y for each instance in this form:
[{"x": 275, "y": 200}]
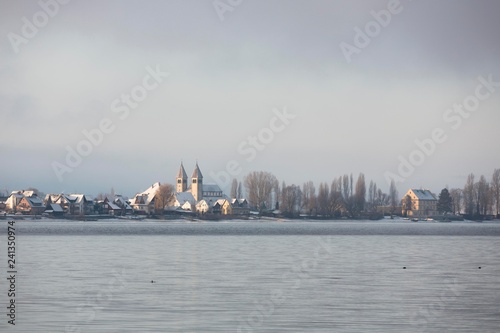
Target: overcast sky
[{"x": 230, "y": 70}]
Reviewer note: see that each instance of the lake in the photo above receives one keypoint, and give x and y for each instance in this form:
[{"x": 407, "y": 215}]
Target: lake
[{"x": 307, "y": 276}]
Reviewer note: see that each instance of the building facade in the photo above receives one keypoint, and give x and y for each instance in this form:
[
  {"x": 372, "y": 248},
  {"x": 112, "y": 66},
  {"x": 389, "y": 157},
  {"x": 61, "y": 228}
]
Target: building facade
[{"x": 419, "y": 203}]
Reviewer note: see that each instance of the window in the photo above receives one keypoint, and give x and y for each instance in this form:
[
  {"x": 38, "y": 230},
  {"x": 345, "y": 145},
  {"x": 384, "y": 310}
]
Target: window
[
  {"x": 194, "y": 181},
  {"x": 179, "y": 181}
]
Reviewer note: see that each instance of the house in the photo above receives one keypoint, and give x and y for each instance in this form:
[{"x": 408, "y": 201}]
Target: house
[
  {"x": 121, "y": 202},
  {"x": 240, "y": 206},
  {"x": 118, "y": 206},
  {"x": 79, "y": 204},
  {"x": 14, "y": 200},
  {"x": 222, "y": 206},
  {"x": 144, "y": 203},
  {"x": 3, "y": 200},
  {"x": 72, "y": 204},
  {"x": 419, "y": 203},
  {"x": 30, "y": 206},
  {"x": 203, "y": 207},
  {"x": 185, "y": 200},
  {"x": 54, "y": 210},
  {"x": 114, "y": 209},
  {"x": 58, "y": 199}
]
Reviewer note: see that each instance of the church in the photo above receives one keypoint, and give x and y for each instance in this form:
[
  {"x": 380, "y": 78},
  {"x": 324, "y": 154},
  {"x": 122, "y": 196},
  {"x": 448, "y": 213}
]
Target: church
[
  {"x": 191, "y": 195},
  {"x": 197, "y": 190}
]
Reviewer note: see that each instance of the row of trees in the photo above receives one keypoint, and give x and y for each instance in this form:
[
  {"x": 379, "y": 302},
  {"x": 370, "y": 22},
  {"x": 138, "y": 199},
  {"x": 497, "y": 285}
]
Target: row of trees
[
  {"x": 344, "y": 197},
  {"x": 341, "y": 197},
  {"x": 478, "y": 197}
]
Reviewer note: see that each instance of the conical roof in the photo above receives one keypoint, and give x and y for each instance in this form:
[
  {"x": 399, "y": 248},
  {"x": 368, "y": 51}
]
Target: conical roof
[
  {"x": 197, "y": 172},
  {"x": 182, "y": 173}
]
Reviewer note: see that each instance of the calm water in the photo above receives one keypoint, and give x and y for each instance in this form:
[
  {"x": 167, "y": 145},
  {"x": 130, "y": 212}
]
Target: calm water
[{"x": 254, "y": 277}]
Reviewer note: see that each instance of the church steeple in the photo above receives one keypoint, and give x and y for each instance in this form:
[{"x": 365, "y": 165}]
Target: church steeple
[
  {"x": 182, "y": 179},
  {"x": 197, "y": 183}
]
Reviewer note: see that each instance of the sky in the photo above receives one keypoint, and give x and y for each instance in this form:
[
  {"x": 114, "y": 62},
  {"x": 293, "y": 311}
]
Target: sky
[{"x": 97, "y": 95}]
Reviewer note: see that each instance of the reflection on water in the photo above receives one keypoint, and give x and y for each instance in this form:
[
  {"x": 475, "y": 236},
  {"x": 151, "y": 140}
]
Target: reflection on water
[{"x": 256, "y": 277}]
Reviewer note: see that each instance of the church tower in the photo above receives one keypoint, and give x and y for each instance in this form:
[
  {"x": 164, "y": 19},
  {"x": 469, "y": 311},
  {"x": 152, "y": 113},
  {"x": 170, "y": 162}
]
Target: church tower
[
  {"x": 182, "y": 179},
  {"x": 197, "y": 184}
]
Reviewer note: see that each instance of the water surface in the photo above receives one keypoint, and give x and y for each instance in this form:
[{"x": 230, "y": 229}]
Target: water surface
[{"x": 254, "y": 276}]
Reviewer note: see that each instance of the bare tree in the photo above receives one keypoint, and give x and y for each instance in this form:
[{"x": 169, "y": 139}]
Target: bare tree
[
  {"x": 360, "y": 194},
  {"x": 469, "y": 195},
  {"x": 292, "y": 197},
  {"x": 234, "y": 188},
  {"x": 309, "y": 197},
  {"x": 345, "y": 187},
  {"x": 456, "y": 200},
  {"x": 495, "y": 190},
  {"x": 336, "y": 202},
  {"x": 322, "y": 200},
  {"x": 382, "y": 199},
  {"x": 347, "y": 194},
  {"x": 372, "y": 193},
  {"x": 260, "y": 187},
  {"x": 407, "y": 204},
  {"x": 483, "y": 193},
  {"x": 164, "y": 197},
  {"x": 394, "y": 196},
  {"x": 240, "y": 190}
]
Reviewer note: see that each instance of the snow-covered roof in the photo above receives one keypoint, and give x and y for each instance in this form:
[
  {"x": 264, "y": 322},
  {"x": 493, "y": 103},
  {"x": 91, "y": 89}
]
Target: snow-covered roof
[
  {"x": 113, "y": 206},
  {"x": 211, "y": 188},
  {"x": 424, "y": 194},
  {"x": 239, "y": 201},
  {"x": 186, "y": 206},
  {"x": 122, "y": 202},
  {"x": 29, "y": 193},
  {"x": 202, "y": 203},
  {"x": 148, "y": 195},
  {"x": 183, "y": 197},
  {"x": 220, "y": 202},
  {"x": 76, "y": 198},
  {"x": 17, "y": 194}
]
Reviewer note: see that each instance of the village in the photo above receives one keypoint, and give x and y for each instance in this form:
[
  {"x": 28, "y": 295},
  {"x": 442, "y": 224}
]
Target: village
[{"x": 191, "y": 197}]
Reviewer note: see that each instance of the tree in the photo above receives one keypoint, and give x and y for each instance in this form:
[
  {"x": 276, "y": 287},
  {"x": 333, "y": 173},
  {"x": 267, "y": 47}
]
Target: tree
[
  {"x": 309, "y": 197},
  {"x": 260, "y": 187},
  {"x": 393, "y": 195},
  {"x": 469, "y": 194},
  {"x": 360, "y": 194},
  {"x": 347, "y": 194},
  {"x": 407, "y": 204},
  {"x": 240, "y": 190},
  {"x": 336, "y": 202},
  {"x": 323, "y": 200},
  {"x": 495, "y": 190},
  {"x": 291, "y": 200},
  {"x": 164, "y": 196},
  {"x": 234, "y": 188},
  {"x": 483, "y": 195},
  {"x": 445, "y": 202},
  {"x": 456, "y": 200},
  {"x": 372, "y": 194}
]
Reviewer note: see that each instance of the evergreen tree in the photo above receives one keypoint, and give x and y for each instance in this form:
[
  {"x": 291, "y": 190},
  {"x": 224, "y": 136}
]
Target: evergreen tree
[{"x": 444, "y": 204}]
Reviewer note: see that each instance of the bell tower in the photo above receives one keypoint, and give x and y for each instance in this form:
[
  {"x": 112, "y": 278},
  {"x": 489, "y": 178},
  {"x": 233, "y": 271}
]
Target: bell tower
[
  {"x": 197, "y": 184},
  {"x": 182, "y": 178}
]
